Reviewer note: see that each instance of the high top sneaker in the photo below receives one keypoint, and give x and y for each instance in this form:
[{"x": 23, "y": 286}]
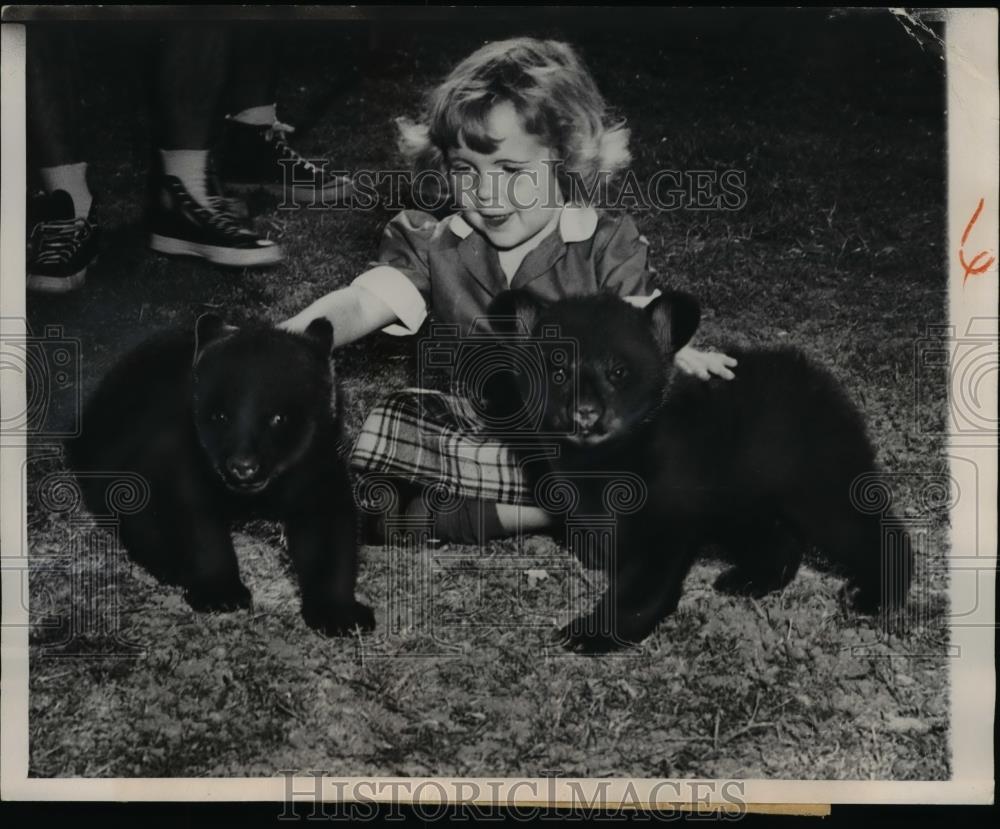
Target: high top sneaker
[
  {"x": 259, "y": 157},
  {"x": 60, "y": 246},
  {"x": 181, "y": 226}
]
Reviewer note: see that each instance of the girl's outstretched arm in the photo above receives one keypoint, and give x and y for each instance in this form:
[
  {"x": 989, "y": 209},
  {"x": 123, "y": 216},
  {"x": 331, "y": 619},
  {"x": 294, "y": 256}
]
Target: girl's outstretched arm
[{"x": 353, "y": 311}]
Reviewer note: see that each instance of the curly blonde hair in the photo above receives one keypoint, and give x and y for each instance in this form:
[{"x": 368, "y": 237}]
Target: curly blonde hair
[{"x": 551, "y": 90}]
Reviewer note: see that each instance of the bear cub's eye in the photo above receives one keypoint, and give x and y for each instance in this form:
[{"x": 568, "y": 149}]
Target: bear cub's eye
[
  {"x": 219, "y": 416},
  {"x": 617, "y": 373},
  {"x": 278, "y": 420}
]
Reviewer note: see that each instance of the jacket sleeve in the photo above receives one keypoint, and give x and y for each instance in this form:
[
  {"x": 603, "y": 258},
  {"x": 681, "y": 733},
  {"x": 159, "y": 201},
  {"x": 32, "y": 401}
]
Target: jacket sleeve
[
  {"x": 400, "y": 275},
  {"x": 621, "y": 261}
]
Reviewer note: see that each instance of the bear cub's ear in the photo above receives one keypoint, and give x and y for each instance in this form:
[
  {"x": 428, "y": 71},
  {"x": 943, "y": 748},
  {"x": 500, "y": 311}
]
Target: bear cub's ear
[
  {"x": 207, "y": 329},
  {"x": 674, "y": 317},
  {"x": 319, "y": 334},
  {"x": 514, "y": 313}
]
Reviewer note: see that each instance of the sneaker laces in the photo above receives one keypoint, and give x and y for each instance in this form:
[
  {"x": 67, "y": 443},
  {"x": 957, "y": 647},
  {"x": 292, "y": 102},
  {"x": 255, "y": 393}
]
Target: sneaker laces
[
  {"x": 278, "y": 131},
  {"x": 216, "y": 213},
  {"x": 56, "y": 242},
  {"x": 275, "y": 134},
  {"x": 225, "y": 218},
  {"x": 224, "y": 204}
]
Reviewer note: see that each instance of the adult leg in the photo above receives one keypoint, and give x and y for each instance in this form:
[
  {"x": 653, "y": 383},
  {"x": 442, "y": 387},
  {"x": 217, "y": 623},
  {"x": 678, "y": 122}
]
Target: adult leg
[
  {"x": 253, "y": 80},
  {"x": 255, "y": 153},
  {"x": 190, "y": 79},
  {"x": 53, "y": 104},
  {"x": 189, "y": 218},
  {"x": 63, "y": 236}
]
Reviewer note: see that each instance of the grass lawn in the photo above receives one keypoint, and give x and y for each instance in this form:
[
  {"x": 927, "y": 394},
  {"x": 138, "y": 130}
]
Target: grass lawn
[{"x": 839, "y": 250}]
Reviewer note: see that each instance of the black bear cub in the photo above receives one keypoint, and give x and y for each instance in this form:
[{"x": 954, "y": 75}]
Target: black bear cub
[
  {"x": 761, "y": 466},
  {"x": 224, "y": 424}
]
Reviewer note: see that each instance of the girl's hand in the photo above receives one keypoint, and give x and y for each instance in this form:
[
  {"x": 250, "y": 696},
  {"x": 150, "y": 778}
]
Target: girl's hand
[
  {"x": 292, "y": 324},
  {"x": 704, "y": 364}
]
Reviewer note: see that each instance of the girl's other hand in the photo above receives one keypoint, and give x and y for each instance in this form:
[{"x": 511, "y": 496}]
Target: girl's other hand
[
  {"x": 704, "y": 364},
  {"x": 293, "y": 325}
]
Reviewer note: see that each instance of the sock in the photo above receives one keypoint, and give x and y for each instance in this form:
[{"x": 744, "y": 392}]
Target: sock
[
  {"x": 191, "y": 167},
  {"x": 474, "y": 522},
  {"x": 260, "y": 116},
  {"x": 73, "y": 179}
]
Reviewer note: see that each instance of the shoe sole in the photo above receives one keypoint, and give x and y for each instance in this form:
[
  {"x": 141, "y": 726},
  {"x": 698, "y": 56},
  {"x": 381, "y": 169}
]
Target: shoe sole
[
  {"x": 230, "y": 257},
  {"x": 298, "y": 192},
  {"x": 56, "y": 284}
]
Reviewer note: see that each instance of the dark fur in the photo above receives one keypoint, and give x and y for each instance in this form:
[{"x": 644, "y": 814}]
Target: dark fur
[
  {"x": 761, "y": 465},
  {"x": 156, "y": 414}
]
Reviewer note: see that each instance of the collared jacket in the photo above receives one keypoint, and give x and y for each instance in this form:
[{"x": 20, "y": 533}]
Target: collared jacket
[{"x": 449, "y": 269}]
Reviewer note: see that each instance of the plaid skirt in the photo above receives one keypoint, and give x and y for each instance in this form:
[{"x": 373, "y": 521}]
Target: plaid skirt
[{"x": 432, "y": 438}]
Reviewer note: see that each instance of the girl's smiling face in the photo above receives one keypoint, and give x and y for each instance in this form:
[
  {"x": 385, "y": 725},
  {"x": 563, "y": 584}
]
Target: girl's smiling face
[{"x": 510, "y": 195}]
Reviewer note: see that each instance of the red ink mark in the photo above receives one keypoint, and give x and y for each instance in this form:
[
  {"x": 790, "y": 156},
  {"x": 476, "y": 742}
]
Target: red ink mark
[{"x": 976, "y": 266}]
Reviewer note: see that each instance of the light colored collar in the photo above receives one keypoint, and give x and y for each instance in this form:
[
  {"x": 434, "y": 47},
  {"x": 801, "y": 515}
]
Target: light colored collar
[{"x": 576, "y": 224}]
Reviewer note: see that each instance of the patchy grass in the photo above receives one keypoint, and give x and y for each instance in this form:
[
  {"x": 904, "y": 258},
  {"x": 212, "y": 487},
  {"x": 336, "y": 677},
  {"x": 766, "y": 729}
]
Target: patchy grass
[{"x": 839, "y": 251}]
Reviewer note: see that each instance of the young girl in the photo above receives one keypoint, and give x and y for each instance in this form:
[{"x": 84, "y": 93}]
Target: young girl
[{"x": 514, "y": 127}]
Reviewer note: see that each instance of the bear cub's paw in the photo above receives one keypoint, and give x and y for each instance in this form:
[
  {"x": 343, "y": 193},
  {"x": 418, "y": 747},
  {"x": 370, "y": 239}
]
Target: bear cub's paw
[
  {"x": 339, "y": 619},
  {"x": 591, "y": 634},
  {"x": 225, "y": 599},
  {"x": 738, "y": 581},
  {"x": 867, "y": 600}
]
